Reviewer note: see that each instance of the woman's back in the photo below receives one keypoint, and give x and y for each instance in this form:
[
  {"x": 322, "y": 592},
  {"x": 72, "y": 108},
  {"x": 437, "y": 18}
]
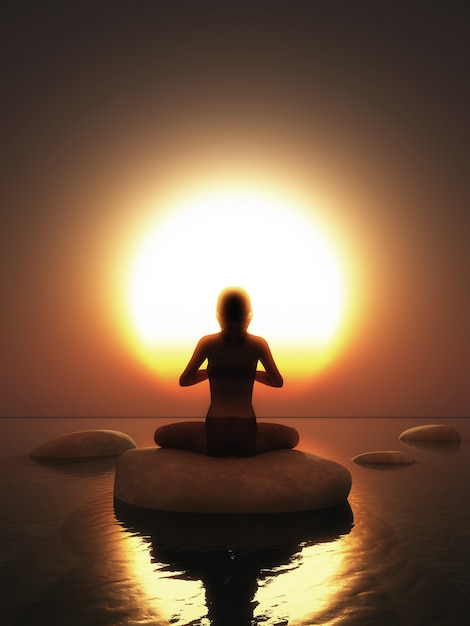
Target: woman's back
[{"x": 232, "y": 361}]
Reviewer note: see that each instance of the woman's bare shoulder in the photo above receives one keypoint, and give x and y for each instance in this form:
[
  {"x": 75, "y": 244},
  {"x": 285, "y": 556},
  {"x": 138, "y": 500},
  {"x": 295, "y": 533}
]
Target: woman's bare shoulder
[
  {"x": 209, "y": 340},
  {"x": 259, "y": 342}
]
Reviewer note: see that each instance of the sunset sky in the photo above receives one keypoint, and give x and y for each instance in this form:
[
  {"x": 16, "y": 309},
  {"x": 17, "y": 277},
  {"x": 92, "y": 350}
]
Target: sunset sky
[{"x": 352, "y": 115}]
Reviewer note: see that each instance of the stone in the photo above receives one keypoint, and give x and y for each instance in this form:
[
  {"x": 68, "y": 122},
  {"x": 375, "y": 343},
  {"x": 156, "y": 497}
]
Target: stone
[
  {"x": 384, "y": 457},
  {"x": 85, "y": 444},
  {"x": 273, "y": 482},
  {"x": 432, "y": 432}
]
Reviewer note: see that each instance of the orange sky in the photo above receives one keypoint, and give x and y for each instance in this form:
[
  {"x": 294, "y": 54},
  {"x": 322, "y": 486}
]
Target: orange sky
[{"x": 108, "y": 108}]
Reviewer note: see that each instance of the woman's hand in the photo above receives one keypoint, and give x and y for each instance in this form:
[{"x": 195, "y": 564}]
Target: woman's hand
[
  {"x": 192, "y": 374},
  {"x": 271, "y": 376},
  {"x": 266, "y": 379},
  {"x": 199, "y": 376}
]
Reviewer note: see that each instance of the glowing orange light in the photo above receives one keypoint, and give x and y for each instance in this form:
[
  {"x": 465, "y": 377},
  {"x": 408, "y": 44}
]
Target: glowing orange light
[{"x": 247, "y": 238}]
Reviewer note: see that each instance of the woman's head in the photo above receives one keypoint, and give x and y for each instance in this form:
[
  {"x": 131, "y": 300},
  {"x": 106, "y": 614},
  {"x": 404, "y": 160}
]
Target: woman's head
[{"x": 234, "y": 309}]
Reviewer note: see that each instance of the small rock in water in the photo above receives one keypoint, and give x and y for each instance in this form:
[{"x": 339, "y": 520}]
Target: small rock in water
[
  {"x": 384, "y": 457},
  {"x": 85, "y": 444},
  {"x": 431, "y": 432}
]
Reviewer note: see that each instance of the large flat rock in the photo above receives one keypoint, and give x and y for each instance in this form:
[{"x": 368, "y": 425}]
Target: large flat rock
[
  {"x": 431, "y": 432},
  {"x": 84, "y": 444},
  {"x": 273, "y": 482}
]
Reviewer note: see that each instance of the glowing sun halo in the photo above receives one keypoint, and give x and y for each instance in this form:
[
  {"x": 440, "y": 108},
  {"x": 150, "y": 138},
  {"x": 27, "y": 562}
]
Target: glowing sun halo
[{"x": 279, "y": 255}]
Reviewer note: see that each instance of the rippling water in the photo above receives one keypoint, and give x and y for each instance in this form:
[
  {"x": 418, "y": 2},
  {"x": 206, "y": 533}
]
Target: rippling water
[{"x": 399, "y": 553}]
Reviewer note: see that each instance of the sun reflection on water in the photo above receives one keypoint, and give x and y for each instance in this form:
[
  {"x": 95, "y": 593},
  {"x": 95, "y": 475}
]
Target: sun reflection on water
[
  {"x": 311, "y": 584},
  {"x": 174, "y": 597},
  {"x": 255, "y": 584}
]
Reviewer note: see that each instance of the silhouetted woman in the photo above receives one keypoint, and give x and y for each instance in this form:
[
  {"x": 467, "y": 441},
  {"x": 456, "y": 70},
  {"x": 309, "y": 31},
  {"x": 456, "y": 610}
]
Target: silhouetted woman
[{"x": 232, "y": 358}]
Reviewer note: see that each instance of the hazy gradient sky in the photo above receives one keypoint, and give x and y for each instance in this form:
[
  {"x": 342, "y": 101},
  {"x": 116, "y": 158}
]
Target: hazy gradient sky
[{"x": 106, "y": 103}]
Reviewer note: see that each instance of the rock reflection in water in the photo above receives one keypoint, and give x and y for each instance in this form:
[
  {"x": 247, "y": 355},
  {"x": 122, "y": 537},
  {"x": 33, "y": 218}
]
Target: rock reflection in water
[
  {"x": 73, "y": 467},
  {"x": 232, "y": 554},
  {"x": 441, "y": 447}
]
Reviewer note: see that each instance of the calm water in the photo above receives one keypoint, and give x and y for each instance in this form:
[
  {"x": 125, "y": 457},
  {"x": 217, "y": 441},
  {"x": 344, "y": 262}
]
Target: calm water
[{"x": 399, "y": 554}]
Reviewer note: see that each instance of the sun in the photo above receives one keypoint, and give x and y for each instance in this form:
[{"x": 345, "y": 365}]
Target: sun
[{"x": 233, "y": 238}]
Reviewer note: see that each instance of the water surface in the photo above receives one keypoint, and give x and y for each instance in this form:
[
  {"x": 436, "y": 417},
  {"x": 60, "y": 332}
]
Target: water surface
[{"x": 399, "y": 553}]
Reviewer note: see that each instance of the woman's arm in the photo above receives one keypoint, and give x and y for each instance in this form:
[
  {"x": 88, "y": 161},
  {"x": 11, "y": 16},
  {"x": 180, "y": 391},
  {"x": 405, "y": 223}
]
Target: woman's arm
[
  {"x": 192, "y": 374},
  {"x": 271, "y": 376}
]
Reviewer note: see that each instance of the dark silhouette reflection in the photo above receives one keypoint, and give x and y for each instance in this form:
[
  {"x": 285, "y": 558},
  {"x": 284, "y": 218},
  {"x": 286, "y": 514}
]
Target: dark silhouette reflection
[
  {"x": 90, "y": 466},
  {"x": 386, "y": 467},
  {"x": 230, "y": 554}
]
